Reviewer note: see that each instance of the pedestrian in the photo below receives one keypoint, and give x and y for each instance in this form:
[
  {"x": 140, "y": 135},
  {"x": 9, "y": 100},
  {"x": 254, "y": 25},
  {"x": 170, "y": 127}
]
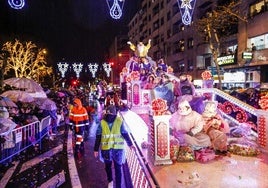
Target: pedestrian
[
  {"x": 110, "y": 136},
  {"x": 78, "y": 121}
]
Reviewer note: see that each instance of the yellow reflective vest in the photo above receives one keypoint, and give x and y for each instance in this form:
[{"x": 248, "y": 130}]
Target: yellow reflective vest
[{"x": 112, "y": 139}]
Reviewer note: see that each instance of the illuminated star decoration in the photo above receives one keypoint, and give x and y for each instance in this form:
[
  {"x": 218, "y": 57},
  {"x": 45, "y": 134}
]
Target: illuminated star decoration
[
  {"x": 77, "y": 68},
  {"x": 93, "y": 67},
  {"x": 16, "y": 4},
  {"x": 115, "y": 8},
  {"x": 186, "y": 9},
  {"x": 107, "y": 68},
  {"x": 63, "y": 67}
]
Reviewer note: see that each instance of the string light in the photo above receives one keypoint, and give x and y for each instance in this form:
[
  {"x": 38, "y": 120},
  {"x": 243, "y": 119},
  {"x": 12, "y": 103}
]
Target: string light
[
  {"x": 186, "y": 9},
  {"x": 63, "y": 67},
  {"x": 16, "y": 4},
  {"x": 107, "y": 68},
  {"x": 77, "y": 68},
  {"x": 93, "y": 67},
  {"x": 115, "y": 8}
]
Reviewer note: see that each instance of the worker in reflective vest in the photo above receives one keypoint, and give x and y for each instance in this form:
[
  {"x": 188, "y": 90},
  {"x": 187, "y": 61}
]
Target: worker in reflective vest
[
  {"x": 110, "y": 139},
  {"x": 78, "y": 120}
]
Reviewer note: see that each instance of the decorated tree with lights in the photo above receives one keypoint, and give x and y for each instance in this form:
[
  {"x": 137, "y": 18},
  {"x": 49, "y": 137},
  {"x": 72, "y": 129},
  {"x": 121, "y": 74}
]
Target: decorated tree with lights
[
  {"x": 25, "y": 60},
  {"x": 218, "y": 24}
]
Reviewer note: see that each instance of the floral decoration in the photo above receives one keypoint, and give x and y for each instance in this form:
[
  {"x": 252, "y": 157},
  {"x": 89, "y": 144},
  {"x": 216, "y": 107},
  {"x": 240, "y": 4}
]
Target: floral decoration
[
  {"x": 206, "y": 75},
  {"x": 263, "y": 102},
  {"x": 159, "y": 106}
]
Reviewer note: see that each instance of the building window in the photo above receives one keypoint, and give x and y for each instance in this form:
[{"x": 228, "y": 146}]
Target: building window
[
  {"x": 181, "y": 67},
  {"x": 156, "y": 9},
  {"x": 175, "y": 8},
  {"x": 176, "y": 48},
  {"x": 176, "y": 27},
  {"x": 181, "y": 27},
  {"x": 190, "y": 65},
  {"x": 156, "y": 25},
  {"x": 168, "y": 15},
  {"x": 181, "y": 45},
  {"x": 169, "y": 33},
  {"x": 156, "y": 40},
  {"x": 207, "y": 61},
  {"x": 190, "y": 43},
  {"x": 259, "y": 7},
  {"x": 162, "y": 21},
  {"x": 162, "y": 5},
  {"x": 261, "y": 42}
]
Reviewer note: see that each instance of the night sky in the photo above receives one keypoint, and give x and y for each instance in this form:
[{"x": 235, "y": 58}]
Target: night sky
[{"x": 73, "y": 30}]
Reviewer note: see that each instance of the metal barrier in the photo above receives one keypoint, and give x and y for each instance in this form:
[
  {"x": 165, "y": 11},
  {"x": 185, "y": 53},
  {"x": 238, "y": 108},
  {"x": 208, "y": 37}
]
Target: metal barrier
[
  {"x": 137, "y": 172},
  {"x": 21, "y": 138}
]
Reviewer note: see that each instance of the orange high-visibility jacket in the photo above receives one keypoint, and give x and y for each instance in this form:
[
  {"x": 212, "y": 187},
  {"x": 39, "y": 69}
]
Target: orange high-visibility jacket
[{"x": 78, "y": 115}]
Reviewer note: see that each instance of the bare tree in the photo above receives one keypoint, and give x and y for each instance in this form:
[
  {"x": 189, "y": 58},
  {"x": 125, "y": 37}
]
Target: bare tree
[
  {"x": 26, "y": 60},
  {"x": 218, "y": 24}
]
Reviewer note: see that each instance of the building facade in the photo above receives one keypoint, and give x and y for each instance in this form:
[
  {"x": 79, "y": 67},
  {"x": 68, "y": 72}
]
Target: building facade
[{"x": 185, "y": 50}]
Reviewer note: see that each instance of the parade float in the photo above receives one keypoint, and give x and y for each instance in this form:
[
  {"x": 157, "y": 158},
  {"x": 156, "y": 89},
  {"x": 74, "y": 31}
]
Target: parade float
[{"x": 155, "y": 104}]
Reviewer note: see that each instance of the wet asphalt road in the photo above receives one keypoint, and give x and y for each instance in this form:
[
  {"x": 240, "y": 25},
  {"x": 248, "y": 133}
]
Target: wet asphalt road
[{"x": 48, "y": 167}]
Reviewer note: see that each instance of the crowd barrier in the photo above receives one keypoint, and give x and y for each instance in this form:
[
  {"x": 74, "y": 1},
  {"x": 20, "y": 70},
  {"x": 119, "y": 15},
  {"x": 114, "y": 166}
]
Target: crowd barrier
[
  {"x": 19, "y": 139},
  {"x": 136, "y": 170}
]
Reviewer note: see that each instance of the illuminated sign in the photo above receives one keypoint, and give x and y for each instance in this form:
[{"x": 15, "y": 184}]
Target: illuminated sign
[
  {"x": 226, "y": 60},
  {"x": 234, "y": 77},
  {"x": 247, "y": 55}
]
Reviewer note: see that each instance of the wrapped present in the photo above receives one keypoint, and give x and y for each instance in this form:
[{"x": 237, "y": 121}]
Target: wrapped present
[
  {"x": 186, "y": 153},
  {"x": 204, "y": 155},
  {"x": 244, "y": 150},
  {"x": 174, "y": 149}
]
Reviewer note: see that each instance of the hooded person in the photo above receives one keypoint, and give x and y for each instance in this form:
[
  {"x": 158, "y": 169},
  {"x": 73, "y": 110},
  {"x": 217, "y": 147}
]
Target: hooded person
[
  {"x": 78, "y": 121},
  {"x": 187, "y": 126},
  {"x": 110, "y": 140}
]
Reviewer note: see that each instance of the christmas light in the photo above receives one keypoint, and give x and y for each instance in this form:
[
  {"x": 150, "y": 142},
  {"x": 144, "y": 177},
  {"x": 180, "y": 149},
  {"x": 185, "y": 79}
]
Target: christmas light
[
  {"x": 93, "y": 67},
  {"x": 77, "y": 68},
  {"x": 63, "y": 67},
  {"x": 16, "y": 4},
  {"x": 115, "y": 8},
  {"x": 107, "y": 68},
  {"x": 186, "y": 9}
]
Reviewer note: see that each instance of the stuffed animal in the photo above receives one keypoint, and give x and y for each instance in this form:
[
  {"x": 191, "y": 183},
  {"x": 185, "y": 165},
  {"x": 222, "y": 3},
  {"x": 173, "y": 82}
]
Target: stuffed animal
[{"x": 215, "y": 126}]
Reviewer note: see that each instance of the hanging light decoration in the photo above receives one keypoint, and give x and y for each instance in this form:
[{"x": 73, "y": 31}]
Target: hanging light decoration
[
  {"x": 77, "y": 68},
  {"x": 93, "y": 67},
  {"x": 63, "y": 67},
  {"x": 16, "y": 4},
  {"x": 186, "y": 9},
  {"x": 107, "y": 68},
  {"x": 115, "y": 8}
]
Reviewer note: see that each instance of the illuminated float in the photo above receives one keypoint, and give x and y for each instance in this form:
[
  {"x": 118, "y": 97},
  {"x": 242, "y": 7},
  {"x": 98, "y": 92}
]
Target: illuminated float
[{"x": 156, "y": 103}]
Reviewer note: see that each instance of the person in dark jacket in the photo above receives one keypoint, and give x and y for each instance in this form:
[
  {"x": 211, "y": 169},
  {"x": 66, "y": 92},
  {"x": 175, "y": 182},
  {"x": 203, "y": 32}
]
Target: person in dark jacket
[{"x": 110, "y": 139}]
